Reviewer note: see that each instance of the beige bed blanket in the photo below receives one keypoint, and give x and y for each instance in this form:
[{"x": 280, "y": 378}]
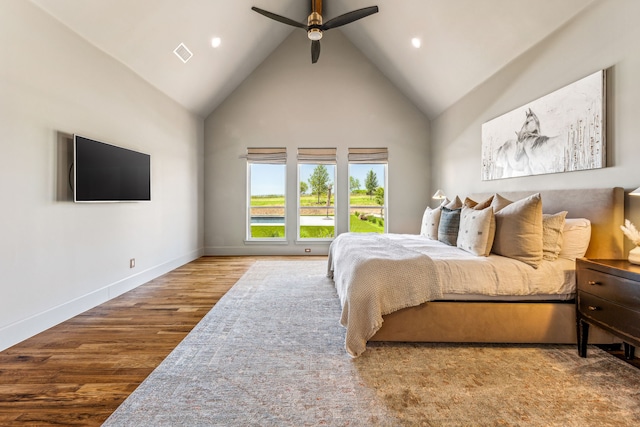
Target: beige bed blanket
[{"x": 375, "y": 276}]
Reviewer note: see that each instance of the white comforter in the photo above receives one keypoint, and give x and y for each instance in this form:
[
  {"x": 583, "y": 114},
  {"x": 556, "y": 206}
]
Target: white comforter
[{"x": 367, "y": 268}]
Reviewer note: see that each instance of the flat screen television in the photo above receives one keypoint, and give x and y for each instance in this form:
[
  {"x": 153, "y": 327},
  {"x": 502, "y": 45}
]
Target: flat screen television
[{"x": 106, "y": 173}]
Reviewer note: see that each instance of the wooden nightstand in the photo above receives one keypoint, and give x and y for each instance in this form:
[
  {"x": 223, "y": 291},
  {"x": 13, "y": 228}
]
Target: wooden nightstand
[{"x": 608, "y": 296}]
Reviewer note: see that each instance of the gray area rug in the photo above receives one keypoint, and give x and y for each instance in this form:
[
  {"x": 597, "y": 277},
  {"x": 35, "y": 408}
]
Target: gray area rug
[{"x": 271, "y": 353}]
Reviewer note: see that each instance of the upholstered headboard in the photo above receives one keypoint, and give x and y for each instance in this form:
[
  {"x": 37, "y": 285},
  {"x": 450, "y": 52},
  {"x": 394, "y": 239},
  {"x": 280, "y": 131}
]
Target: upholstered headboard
[{"x": 604, "y": 207}]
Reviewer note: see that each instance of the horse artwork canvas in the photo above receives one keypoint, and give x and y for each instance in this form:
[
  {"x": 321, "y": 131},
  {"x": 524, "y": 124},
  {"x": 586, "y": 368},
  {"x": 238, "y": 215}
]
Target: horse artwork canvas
[{"x": 560, "y": 132}]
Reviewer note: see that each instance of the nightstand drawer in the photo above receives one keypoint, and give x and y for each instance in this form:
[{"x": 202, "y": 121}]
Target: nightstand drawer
[
  {"x": 612, "y": 288},
  {"x": 617, "y": 317}
]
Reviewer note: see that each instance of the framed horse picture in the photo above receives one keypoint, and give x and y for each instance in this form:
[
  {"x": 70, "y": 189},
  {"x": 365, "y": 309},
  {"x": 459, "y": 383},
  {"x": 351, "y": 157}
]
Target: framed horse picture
[{"x": 560, "y": 132}]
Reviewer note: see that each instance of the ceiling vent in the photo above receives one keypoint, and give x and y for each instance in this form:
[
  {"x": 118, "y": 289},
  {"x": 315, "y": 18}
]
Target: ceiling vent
[{"x": 183, "y": 53}]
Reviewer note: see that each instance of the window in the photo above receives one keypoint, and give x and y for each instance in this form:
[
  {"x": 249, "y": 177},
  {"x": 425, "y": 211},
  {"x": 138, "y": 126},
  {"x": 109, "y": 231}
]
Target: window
[
  {"x": 316, "y": 193},
  {"x": 266, "y": 179},
  {"x": 367, "y": 185}
]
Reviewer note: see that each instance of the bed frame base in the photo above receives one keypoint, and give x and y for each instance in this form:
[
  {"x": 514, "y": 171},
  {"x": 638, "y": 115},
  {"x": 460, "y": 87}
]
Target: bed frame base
[{"x": 484, "y": 322}]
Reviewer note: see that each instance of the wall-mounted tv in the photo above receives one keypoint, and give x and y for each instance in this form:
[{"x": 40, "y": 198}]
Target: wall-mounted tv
[{"x": 106, "y": 173}]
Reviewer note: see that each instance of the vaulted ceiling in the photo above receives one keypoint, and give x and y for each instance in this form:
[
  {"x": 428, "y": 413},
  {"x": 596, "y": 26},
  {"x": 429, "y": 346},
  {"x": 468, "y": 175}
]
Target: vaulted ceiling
[{"x": 463, "y": 42}]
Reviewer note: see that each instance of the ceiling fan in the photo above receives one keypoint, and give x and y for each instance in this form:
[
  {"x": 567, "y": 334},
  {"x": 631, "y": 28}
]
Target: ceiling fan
[{"x": 315, "y": 27}]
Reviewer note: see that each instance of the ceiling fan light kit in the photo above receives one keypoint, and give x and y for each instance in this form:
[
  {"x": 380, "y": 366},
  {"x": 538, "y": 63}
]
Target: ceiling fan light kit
[
  {"x": 315, "y": 27},
  {"x": 314, "y": 34}
]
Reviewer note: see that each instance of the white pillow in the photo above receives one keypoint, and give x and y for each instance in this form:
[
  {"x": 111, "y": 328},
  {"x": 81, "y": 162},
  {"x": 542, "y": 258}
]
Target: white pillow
[
  {"x": 477, "y": 230},
  {"x": 575, "y": 238},
  {"x": 430, "y": 222},
  {"x": 552, "y": 229}
]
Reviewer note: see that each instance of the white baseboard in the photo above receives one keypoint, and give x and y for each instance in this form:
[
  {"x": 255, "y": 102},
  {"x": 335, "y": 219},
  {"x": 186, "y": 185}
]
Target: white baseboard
[
  {"x": 259, "y": 249},
  {"x": 26, "y": 328}
]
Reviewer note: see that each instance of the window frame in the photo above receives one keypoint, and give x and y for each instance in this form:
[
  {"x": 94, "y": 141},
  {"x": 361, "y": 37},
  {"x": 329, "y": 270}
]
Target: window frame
[
  {"x": 317, "y": 156},
  {"x": 266, "y": 156},
  {"x": 370, "y": 156}
]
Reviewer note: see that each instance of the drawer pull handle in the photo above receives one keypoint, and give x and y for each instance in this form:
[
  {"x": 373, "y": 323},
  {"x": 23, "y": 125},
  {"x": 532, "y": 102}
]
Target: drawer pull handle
[
  {"x": 593, "y": 308},
  {"x": 594, "y": 283}
]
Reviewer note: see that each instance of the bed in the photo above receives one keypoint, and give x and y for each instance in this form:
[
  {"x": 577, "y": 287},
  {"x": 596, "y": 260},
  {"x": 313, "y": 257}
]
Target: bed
[{"x": 539, "y": 316}]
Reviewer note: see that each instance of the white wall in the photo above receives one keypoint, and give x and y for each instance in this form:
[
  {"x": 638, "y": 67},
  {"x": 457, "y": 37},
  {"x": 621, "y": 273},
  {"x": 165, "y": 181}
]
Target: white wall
[
  {"x": 58, "y": 258},
  {"x": 605, "y": 36},
  {"x": 341, "y": 101}
]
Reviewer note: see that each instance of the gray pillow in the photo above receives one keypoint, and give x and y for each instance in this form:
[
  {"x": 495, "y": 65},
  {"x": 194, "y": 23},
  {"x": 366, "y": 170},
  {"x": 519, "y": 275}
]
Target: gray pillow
[
  {"x": 519, "y": 231},
  {"x": 449, "y": 226}
]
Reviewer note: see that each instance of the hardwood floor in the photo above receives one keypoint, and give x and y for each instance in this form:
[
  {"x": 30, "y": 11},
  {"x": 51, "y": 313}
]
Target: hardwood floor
[{"x": 78, "y": 372}]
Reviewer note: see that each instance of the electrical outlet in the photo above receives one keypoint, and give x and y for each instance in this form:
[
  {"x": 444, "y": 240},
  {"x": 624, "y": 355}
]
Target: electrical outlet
[
  {"x": 307, "y": 250},
  {"x": 132, "y": 263}
]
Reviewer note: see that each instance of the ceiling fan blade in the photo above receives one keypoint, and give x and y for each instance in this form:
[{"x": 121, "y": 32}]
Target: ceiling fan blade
[
  {"x": 315, "y": 51},
  {"x": 279, "y": 18},
  {"x": 349, "y": 17}
]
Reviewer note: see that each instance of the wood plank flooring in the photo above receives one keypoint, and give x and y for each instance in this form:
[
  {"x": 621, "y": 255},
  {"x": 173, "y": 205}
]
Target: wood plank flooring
[{"x": 79, "y": 372}]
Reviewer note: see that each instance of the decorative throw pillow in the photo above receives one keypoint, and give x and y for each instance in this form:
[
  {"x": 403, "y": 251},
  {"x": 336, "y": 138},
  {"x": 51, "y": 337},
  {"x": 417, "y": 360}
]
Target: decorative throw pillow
[
  {"x": 484, "y": 204},
  {"x": 576, "y": 236},
  {"x": 477, "y": 230},
  {"x": 469, "y": 203},
  {"x": 552, "y": 227},
  {"x": 498, "y": 202},
  {"x": 519, "y": 230},
  {"x": 475, "y": 205},
  {"x": 449, "y": 225},
  {"x": 430, "y": 222},
  {"x": 454, "y": 204},
  {"x": 423, "y": 228}
]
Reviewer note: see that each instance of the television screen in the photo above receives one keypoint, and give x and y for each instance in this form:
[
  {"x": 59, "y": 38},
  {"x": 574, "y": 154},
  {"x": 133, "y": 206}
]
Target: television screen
[{"x": 106, "y": 173}]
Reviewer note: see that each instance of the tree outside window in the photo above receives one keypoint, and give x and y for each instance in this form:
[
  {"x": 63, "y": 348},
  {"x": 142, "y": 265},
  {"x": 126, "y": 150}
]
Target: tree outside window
[
  {"x": 367, "y": 206},
  {"x": 316, "y": 212}
]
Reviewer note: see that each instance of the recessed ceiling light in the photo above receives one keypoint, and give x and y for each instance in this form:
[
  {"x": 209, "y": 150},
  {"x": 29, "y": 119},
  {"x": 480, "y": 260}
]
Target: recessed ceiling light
[
  {"x": 215, "y": 42},
  {"x": 416, "y": 42}
]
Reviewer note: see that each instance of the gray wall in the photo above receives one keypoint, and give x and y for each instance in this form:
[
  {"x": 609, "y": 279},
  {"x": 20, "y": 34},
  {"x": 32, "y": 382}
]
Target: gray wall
[
  {"x": 342, "y": 101},
  {"x": 58, "y": 258},
  {"x": 605, "y": 36}
]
